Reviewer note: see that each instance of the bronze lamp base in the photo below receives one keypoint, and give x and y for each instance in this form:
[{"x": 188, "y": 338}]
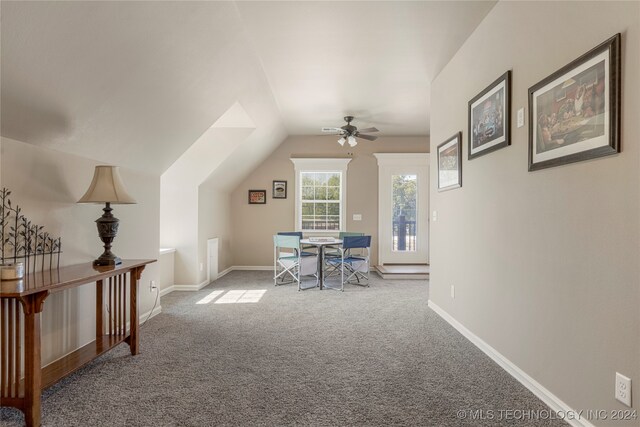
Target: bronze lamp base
[{"x": 107, "y": 230}]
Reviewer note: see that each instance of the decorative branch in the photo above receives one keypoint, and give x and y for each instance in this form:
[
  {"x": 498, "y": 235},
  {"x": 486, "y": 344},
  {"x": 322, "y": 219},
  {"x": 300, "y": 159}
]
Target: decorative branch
[{"x": 22, "y": 240}]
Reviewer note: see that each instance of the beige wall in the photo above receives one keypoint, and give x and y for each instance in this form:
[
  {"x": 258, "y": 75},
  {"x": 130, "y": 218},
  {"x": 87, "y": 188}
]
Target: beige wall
[
  {"x": 253, "y": 225},
  {"x": 545, "y": 264},
  {"x": 47, "y": 184}
]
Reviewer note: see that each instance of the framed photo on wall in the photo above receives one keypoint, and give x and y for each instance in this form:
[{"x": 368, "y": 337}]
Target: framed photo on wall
[
  {"x": 574, "y": 114},
  {"x": 450, "y": 163},
  {"x": 279, "y": 190},
  {"x": 489, "y": 118},
  {"x": 257, "y": 197}
]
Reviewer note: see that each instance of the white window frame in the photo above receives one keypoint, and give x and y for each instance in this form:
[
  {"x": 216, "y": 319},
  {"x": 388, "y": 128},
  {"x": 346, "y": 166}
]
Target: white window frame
[{"x": 321, "y": 165}]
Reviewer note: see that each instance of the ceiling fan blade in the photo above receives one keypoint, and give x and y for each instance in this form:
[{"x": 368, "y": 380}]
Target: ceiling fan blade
[
  {"x": 368, "y": 130},
  {"x": 336, "y": 131},
  {"x": 367, "y": 137}
]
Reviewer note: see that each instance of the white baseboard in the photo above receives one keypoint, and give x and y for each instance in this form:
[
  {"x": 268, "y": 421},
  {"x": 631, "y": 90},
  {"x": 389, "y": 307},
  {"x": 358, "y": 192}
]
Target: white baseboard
[
  {"x": 194, "y": 288},
  {"x": 149, "y": 314},
  {"x": 252, "y": 267},
  {"x": 191, "y": 287},
  {"x": 553, "y": 401},
  {"x": 167, "y": 290},
  {"x": 225, "y": 272}
]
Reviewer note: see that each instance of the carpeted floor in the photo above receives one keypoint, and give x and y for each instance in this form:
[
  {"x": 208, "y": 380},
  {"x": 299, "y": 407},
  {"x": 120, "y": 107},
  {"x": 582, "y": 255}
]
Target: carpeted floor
[{"x": 373, "y": 356}]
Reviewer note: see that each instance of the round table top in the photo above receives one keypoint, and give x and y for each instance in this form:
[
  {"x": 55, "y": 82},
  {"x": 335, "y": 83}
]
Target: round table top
[{"x": 321, "y": 242}]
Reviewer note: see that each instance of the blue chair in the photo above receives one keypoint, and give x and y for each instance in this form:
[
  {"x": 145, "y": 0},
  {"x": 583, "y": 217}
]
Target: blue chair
[
  {"x": 289, "y": 264},
  {"x": 332, "y": 251},
  {"x": 354, "y": 261}
]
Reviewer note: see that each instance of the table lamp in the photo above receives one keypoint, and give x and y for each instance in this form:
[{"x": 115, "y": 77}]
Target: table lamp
[{"x": 107, "y": 187}]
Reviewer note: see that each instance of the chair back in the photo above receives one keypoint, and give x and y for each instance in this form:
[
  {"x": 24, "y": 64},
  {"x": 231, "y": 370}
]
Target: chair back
[
  {"x": 350, "y": 242},
  {"x": 286, "y": 241},
  {"x": 290, "y": 233},
  {"x": 344, "y": 234}
]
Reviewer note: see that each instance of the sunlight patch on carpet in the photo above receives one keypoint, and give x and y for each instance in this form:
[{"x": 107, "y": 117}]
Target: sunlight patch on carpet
[
  {"x": 213, "y": 295},
  {"x": 241, "y": 296}
]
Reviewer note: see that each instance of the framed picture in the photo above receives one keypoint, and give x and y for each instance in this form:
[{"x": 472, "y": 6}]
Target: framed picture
[
  {"x": 279, "y": 190},
  {"x": 574, "y": 114},
  {"x": 257, "y": 197},
  {"x": 450, "y": 163},
  {"x": 489, "y": 118}
]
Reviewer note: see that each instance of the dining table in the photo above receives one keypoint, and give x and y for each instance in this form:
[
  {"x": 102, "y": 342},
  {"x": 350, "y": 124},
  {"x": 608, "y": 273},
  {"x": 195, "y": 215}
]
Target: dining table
[{"x": 321, "y": 243}]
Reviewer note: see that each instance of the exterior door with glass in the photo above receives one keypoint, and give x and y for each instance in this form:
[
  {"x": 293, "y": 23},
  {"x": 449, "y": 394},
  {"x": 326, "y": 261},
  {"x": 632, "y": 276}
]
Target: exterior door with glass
[{"x": 403, "y": 206}]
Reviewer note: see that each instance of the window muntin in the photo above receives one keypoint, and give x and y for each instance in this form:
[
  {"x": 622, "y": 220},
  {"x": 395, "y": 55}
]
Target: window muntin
[{"x": 320, "y": 200}]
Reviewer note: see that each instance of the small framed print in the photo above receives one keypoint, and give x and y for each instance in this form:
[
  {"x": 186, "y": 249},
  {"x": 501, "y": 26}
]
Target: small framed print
[
  {"x": 489, "y": 118},
  {"x": 574, "y": 114},
  {"x": 450, "y": 163},
  {"x": 279, "y": 190},
  {"x": 257, "y": 197}
]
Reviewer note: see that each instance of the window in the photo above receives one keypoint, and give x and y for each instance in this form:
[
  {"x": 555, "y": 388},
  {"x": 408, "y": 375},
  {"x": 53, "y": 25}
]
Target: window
[
  {"x": 321, "y": 200},
  {"x": 320, "y": 194}
]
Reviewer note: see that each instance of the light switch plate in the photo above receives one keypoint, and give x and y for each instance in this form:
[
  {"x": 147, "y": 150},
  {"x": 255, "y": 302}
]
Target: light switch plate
[
  {"x": 357, "y": 217},
  {"x": 434, "y": 216},
  {"x": 521, "y": 117}
]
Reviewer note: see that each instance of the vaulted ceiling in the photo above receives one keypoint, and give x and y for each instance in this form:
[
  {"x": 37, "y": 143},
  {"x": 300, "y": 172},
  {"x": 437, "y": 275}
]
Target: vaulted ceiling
[{"x": 137, "y": 83}]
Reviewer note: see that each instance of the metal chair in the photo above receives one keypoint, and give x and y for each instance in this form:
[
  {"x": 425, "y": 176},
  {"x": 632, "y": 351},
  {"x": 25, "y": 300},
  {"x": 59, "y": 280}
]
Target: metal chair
[
  {"x": 353, "y": 261},
  {"x": 299, "y": 234},
  {"x": 331, "y": 251},
  {"x": 289, "y": 263}
]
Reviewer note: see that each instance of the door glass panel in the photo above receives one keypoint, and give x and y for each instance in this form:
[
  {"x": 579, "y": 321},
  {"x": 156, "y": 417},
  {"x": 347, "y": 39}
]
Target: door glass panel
[{"x": 404, "y": 205}]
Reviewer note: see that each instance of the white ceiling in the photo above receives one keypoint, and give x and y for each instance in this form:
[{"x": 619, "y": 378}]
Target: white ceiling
[
  {"x": 372, "y": 60},
  {"x": 137, "y": 83}
]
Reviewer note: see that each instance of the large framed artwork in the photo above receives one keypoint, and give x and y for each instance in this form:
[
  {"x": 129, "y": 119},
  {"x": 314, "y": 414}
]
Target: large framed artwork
[
  {"x": 489, "y": 118},
  {"x": 574, "y": 114},
  {"x": 450, "y": 163}
]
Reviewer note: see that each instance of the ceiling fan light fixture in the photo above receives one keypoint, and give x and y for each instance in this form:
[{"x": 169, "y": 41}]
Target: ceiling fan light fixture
[
  {"x": 341, "y": 141},
  {"x": 352, "y": 141}
]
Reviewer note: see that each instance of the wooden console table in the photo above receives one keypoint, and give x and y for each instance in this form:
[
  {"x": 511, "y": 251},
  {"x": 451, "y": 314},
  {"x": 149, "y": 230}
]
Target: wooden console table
[{"x": 22, "y": 378}]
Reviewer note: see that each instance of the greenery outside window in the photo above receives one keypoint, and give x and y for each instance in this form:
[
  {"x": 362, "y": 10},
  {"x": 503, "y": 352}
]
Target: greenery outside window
[{"x": 320, "y": 194}]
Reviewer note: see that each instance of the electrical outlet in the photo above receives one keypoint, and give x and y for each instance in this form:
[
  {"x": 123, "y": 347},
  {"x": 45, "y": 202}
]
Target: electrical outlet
[
  {"x": 152, "y": 285},
  {"x": 453, "y": 291},
  {"x": 434, "y": 216},
  {"x": 623, "y": 389},
  {"x": 201, "y": 266}
]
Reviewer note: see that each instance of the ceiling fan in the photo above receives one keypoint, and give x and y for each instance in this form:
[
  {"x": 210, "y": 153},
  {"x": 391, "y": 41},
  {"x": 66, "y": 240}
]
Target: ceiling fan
[{"x": 349, "y": 133}]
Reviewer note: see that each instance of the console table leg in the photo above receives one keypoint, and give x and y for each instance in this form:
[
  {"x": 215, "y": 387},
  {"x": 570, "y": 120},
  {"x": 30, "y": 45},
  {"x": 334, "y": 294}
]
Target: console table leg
[
  {"x": 134, "y": 276},
  {"x": 99, "y": 309},
  {"x": 32, "y": 305}
]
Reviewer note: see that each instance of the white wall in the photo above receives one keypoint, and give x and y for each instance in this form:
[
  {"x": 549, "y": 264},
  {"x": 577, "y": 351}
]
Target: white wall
[
  {"x": 166, "y": 264},
  {"x": 179, "y": 211},
  {"x": 179, "y": 227},
  {"x": 214, "y": 220},
  {"x": 47, "y": 184},
  {"x": 545, "y": 264}
]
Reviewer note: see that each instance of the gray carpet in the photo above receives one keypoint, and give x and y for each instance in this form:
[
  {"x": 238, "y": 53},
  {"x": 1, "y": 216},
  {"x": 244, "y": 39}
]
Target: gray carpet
[{"x": 373, "y": 356}]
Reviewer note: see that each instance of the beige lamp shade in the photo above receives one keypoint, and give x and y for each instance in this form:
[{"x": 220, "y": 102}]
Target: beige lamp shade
[{"x": 107, "y": 187}]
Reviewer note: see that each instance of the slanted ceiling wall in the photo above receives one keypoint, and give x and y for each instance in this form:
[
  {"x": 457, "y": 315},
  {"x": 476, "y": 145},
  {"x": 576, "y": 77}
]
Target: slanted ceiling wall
[
  {"x": 254, "y": 225},
  {"x": 546, "y": 264},
  {"x": 47, "y": 184}
]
